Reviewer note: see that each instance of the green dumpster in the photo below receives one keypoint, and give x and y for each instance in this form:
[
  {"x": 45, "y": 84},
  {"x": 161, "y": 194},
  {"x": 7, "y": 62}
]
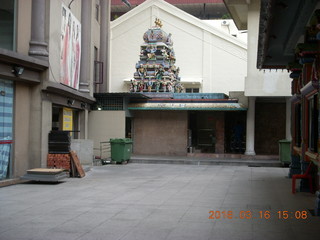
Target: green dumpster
[
  {"x": 120, "y": 149},
  {"x": 284, "y": 152}
]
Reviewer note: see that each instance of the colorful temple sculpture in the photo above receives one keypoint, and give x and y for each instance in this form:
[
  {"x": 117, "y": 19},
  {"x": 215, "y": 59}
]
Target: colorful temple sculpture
[{"x": 156, "y": 70}]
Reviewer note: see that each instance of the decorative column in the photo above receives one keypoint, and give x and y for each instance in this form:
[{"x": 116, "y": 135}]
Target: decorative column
[
  {"x": 85, "y": 46},
  {"x": 250, "y": 127},
  {"x": 105, "y": 43},
  {"x": 38, "y": 46},
  {"x": 288, "y": 119}
]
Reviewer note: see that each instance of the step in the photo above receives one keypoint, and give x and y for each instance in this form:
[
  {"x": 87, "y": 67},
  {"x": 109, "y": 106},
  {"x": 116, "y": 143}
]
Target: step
[{"x": 205, "y": 161}]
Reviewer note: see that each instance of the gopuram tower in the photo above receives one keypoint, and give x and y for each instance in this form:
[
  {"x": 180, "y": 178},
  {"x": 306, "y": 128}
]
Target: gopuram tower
[{"x": 156, "y": 72}]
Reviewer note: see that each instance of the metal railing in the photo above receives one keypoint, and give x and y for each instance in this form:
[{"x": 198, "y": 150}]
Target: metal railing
[{"x": 103, "y": 153}]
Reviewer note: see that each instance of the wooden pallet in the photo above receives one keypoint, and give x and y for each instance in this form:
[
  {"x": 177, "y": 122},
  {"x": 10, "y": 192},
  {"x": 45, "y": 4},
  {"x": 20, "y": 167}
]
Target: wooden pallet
[{"x": 76, "y": 168}]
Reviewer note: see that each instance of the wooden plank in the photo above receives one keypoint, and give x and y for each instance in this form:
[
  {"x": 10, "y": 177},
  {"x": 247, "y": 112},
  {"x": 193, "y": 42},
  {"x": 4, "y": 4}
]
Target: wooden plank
[
  {"x": 76, "y": 161},
  {"x": 73, "y": 172},
  {"x": 45, "y": 170}
]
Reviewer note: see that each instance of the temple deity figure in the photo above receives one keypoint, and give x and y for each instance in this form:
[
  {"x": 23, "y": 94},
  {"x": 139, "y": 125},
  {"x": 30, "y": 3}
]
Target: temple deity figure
[
  {"x": 164, "y": 86},
  {"x": 164, "y": 53},
  {"x": 169, "y": 86},
  {"x": 141, "y": 86},
  {"x": 151, "y": 52},
  {"x": 159, "y": 73},
  {"x": 141, "y": 72},
  {"x": 177, "y": 72},
  {"x": 149, "y": 85},
  {"x": 169, "y": 40},
  {"x": 135, "y": 85},
  {"x": 142, "y": 52},
  {"x": 158, "y": 83}
]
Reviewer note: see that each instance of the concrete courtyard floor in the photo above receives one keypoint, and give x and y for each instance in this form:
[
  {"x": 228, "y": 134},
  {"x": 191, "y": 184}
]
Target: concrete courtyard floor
[{"x": 160, "y": 201}]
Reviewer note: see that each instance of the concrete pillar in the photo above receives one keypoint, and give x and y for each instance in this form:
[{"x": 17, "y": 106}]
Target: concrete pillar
[
  {"x": 250, "y": 127},
  {"x": 38, "y": 46},
  {"x": 46, "y": 126},
  {"x": 219, "y": 131},
  {"x": 86, "y": 9},
  {"x": 288, "y": 119},
  {"x": 84, "y": 118},
  {"x": 105, "y": 43}
]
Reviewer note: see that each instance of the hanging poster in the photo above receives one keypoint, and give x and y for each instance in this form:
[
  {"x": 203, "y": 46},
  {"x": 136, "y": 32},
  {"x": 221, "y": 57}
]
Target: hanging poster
[
  {"x": 67, "y": 119},
  {"x": 70, "y": 49}
]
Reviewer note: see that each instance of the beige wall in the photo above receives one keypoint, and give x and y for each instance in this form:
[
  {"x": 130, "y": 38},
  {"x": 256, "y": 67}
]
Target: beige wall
[
  {"x": 21, "y": 130},
  {"x": 160, "y": 132},
  {"x": 23, "y": 26},
  {"x": 104, "y": 125}
]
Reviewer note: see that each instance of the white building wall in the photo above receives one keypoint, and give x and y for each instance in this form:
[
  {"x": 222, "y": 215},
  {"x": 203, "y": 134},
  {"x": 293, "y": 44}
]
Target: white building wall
[
  {"x": 205, "y": 55},
  {"x": 262, "y": 83}
]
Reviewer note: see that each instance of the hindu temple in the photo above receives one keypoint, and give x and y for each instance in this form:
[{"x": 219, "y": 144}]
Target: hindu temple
[{"x": 156, "y": 70}]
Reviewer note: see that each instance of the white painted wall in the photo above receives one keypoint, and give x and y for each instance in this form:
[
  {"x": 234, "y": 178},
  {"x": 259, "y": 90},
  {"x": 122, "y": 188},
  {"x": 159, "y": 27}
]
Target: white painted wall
[
  {"x": 205, "y": 54},
  {"x": 228, "y": 26},
  {"x": 262, "y": 83}
]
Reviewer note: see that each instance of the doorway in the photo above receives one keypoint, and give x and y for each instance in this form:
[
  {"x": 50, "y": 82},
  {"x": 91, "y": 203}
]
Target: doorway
[
  {"x": 203, "y": 135},
  {"x": 66, "y": 119}
]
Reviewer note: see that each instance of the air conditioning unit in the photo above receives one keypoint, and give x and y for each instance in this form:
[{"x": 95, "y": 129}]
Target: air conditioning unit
[{"x": 225, "y": 23}]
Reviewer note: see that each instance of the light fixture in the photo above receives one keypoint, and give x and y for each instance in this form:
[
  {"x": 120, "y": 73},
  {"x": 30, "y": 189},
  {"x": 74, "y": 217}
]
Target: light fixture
[
  {"x": 99, "y": 108},
  {"x": 83, "y": 105},
  {"x": 70, "y": 102},
  {"x": 17, "y": 71},
  {"x": 126, "y": 2}
]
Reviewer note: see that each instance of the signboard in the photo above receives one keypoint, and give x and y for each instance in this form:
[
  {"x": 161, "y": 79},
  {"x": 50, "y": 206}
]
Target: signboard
[
  {"x": 70, "y": 54},
  {"x": 67, "y": 119}
]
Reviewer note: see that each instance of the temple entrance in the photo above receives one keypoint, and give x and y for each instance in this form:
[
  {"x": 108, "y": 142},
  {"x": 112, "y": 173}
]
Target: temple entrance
[
  {"x": 235, "y": 132},
  {"x": 204, "y": 134},
  {"x": 216, "y": 132}
]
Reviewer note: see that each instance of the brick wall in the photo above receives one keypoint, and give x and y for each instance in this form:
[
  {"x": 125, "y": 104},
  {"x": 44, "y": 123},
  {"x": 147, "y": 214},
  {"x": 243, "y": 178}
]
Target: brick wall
[
  {"x": 270, "y": 127},
  {"x": 160, "y": 132},
  {"x": 59, "y": 161}
]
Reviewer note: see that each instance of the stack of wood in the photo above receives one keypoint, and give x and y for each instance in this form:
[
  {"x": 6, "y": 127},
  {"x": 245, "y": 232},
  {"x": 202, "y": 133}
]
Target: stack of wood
[
  {"x": 59, "y": 161},
  {"x": 69, "y": 162},
  {"x": 60, "y": 155},
  {"x": 59, "y": 142},
  {"x": 45, "y": 175},
  {"x": 76, "y": 168}
]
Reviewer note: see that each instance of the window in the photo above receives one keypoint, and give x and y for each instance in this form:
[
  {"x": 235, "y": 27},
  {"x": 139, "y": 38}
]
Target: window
[
  {"x": 109, "y": 103},
  {"x": 192, "y": 90},
  {"x": 7, "y": 22},
  {"x": 313, "y": 123},
  {"x": 98, "y": 70}
]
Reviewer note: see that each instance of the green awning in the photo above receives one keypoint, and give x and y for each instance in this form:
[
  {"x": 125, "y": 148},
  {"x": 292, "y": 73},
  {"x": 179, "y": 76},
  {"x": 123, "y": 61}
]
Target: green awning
[{"x": 188, "y": 106}]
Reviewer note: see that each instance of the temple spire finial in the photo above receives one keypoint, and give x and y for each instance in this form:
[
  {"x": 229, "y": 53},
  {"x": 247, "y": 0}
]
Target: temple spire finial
[{"x": 158, "y": 23}]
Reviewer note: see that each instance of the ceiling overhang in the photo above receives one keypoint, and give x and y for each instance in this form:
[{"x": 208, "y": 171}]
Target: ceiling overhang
[
  {"x": 204, "y": 9},
  {"x": 239, "y": 12},
  {"x": 281, "y": 27}
]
